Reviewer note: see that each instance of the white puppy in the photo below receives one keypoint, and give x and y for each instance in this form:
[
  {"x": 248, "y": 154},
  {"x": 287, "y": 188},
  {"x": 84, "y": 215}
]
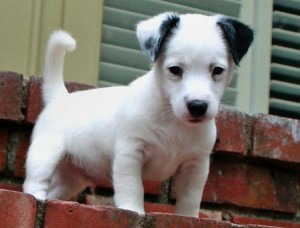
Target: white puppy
[{"x": 161, "y": 125}]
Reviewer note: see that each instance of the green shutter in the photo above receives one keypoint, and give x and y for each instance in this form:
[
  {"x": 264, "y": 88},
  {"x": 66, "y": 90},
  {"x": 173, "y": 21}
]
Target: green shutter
[
  {"x": 122, "y": 61},
  {"x": 285, "y": 66}
]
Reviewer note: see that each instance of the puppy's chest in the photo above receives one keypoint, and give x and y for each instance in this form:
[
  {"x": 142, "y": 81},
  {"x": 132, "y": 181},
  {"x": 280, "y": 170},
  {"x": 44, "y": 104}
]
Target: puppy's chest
[{"x": 165, "y": 155}]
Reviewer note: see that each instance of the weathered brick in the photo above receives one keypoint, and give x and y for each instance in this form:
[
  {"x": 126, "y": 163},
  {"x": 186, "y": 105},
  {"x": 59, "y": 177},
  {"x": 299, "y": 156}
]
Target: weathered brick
[
  {"x": 71, "y": 214},
  {"x": 158, "y": 207},
  {"x": 17, "y": 209},
  {"x": 245, "y": 220},
  {"x": 34, "y": 103},
  {"x": 150, "y": 187},
  {"x": 231, "y": 131},
  {"x": 170, "y": 209},
  {"x": 10, "y": 186},
  {"x": 3, "y": 145},
  {"x": 257, "y": 226},
  {"x": 276, "y": 138},
  {"x": 23, "y": 144},
  {"x": 11, "y": 89},
  {"x": 252, "y": 186},
  {"x": 160, "y": 220}
]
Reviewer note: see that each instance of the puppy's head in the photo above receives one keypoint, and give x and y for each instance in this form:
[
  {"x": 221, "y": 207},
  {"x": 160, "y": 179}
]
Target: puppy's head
[{"x": 193, "y": 56}]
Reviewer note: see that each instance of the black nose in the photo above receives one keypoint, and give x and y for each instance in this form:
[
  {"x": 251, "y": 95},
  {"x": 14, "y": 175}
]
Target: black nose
[{"x": 197, "y": 108}]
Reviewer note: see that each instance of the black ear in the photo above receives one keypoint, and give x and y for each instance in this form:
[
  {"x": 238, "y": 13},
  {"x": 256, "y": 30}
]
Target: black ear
[
  {"x": 166, "y": 27},
  {"x": 152, "y": 33},
  {"x": 238, "y": 37}
]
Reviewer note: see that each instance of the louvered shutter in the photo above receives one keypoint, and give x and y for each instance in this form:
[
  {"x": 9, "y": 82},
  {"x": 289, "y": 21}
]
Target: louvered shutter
[
  {"x": 285, "y": 66},
  {"x": 121, "y": 59}
]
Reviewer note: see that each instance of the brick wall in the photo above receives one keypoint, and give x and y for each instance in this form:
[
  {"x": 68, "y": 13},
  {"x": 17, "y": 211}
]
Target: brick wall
[{"x": 254, "y": 177}]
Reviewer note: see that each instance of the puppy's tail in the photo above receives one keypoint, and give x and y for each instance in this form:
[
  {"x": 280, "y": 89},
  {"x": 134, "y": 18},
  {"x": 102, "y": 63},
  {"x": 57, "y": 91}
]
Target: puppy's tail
[{"x": 53, "y": 84}]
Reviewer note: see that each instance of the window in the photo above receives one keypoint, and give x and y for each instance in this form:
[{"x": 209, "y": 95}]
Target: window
[{"x": 285, "y": 65}]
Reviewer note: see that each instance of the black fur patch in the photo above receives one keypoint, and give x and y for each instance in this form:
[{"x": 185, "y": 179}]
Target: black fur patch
[
  {"x": 166, "y": 29},
  {"x": 154, "y": 44},
  {"x": 238, "y": 37},
  {"x": 150, "y": 45}
]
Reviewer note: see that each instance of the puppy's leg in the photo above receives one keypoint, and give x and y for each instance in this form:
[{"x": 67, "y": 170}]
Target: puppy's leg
[
  {"x": 127, "y": 177},
  {"x": 67, "y": 182},
  {"x": 189, "y": 183},
  {"x": 43, "y": 156}
]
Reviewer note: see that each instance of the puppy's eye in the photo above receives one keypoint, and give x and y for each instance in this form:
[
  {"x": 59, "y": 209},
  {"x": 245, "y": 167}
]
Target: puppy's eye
[
  {"x": 176, "y": 70},
  {"x": 217, "y": 70}
]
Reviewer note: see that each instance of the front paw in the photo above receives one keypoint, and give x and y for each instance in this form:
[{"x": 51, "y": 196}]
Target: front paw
[{"x": 37, "y": 190}]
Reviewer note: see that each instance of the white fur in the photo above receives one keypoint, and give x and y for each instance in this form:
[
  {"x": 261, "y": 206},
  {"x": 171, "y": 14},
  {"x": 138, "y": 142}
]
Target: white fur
[{"x": 143, "y": 130}]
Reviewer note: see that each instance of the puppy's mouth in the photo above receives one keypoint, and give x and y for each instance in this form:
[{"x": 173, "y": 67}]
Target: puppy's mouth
[{"x": 195, "y": 120}]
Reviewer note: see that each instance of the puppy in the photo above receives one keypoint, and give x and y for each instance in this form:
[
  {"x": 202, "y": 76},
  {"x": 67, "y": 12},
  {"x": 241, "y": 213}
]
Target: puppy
[{"x": 162, "y": 125}]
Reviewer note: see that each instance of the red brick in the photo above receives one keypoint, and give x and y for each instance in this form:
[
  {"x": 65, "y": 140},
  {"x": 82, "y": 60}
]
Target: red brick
[
  {"x": 161, "y": 220},
  {"x": 23, "y": 144},
  {"x": 11, "y": 88},
  {"x": 71, "y": 214},
  {"x": 244, "y": 220},
  {"x": 157, "y": 207},
  {"x": 252, "y": 186},
  {"x": 17, "y": 209},
  {"x": 150, "y": 207},
  {"x": 231, "y": 131},
  {"x": 276, "y": 138},
  {"x": 150, "y": 187},
  {"x": 11, "y": 186},
  {"x": 170, "y": 209},
  {"x": 35, "y": 102},
  {"x": 3, "y": 145},
  {"x": 258, "y": 226}
]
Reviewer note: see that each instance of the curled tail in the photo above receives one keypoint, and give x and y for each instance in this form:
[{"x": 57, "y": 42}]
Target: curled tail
[{"x": 53, "y": 84}]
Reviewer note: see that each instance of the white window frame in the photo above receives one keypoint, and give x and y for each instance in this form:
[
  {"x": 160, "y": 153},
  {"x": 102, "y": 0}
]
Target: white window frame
[{"x": 254, "y": 74}]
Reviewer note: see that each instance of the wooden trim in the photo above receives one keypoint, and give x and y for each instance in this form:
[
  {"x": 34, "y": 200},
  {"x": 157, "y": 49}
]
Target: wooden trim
[{"x": 26, "y": 26}]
